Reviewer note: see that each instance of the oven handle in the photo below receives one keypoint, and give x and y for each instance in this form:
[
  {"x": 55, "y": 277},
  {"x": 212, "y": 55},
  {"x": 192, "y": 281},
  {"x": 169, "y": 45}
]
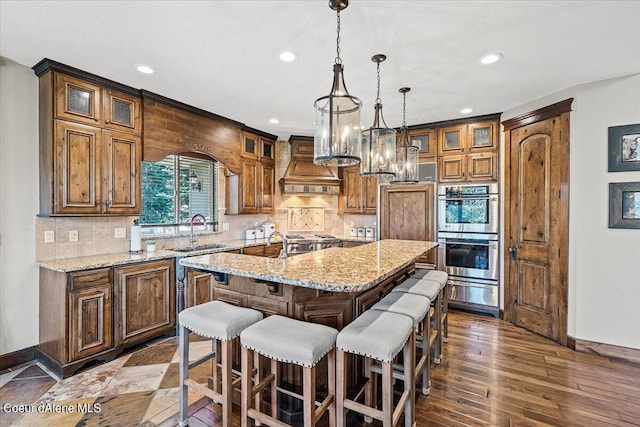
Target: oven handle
[
  {"x": 493, "y": 198},
  {"x": 493, "y": 245}
]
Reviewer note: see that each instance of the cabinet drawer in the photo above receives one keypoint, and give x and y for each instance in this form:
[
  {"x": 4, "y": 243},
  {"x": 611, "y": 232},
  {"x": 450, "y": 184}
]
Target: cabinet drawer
[
  {"x": 89, "y": 279},
  {"x": 267, "y": 306},
  {"x": 254, "y": 250},
  {"x": 273, "y": 251}
]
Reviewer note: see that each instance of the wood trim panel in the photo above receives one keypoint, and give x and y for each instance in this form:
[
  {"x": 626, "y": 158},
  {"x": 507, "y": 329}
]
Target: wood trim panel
[
  {"x": 538, "y": 115},
  {"x": 170, "y": 129},
  {"x": 17, "y": 357},
  {"x": 628, "y": 354},
  {"x": 453, "y": 122}
]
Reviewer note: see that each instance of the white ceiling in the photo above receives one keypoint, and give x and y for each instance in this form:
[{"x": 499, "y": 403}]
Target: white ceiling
[{"x": 222, "y": 56}]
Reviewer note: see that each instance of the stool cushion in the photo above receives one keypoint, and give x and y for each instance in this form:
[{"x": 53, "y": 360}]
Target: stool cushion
[
  {"x": 412, "y": 305},
  {"x": 426, "y": 288},
  {"x": 438, "y": 276},
  {"x": 420, "y": 273},
  {"x": 217, "y": 319},
  {"x": 376, "y": 334},
  {"x": 289, "y": 340}
]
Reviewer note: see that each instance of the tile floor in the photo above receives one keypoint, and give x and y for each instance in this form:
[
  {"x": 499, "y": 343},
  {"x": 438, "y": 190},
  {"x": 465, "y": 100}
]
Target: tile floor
[{"x": 138, "y": 388}]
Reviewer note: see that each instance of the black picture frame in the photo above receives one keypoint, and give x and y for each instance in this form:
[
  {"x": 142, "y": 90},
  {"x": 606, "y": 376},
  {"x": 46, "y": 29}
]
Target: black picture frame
[
  {"x": 624, "y": 205},
  {"x": 624, "y": 148}
]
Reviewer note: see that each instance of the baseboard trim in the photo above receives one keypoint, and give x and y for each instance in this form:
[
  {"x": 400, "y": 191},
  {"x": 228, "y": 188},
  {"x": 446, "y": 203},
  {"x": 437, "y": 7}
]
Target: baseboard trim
[
  {"x": 631, "y": 355},
  {"x": 18, "y": 357}
]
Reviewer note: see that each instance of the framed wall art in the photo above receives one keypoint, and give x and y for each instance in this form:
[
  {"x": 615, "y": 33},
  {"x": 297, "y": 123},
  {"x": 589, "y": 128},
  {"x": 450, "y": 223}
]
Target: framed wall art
[
  {"x": 624, "y": 150},
  {"x": 624, "y": 205}
]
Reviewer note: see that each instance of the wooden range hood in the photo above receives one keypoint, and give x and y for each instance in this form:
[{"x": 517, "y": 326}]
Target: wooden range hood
[{"x": 303, "y": 177}]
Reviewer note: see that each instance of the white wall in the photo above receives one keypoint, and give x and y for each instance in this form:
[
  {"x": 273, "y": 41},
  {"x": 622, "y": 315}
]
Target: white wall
[
  {"x": 604, "y": 279},
  {"x": 18, "y": 206}
]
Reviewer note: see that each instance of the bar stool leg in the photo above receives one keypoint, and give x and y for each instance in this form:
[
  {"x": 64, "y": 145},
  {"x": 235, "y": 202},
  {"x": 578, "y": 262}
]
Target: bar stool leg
[
  {"x": 341, "y": 388},
  {"x": 409, "y": 381},
  {"x": 247, "y": 363},
  {"x": 274, "y": 388},
  {"x": 437, "y": 351},
  {"x": 426, "y": 350},
  {"x": 331, "y": 360},
  {"x": 387, "y": 394},
  {"x": 227, "y": 388},
  {"x": 370, "y": 388},
  {"x": 184, "y": 374},
  {"x": 309, "y": 395},
  {"x": 445, "y": 311}
]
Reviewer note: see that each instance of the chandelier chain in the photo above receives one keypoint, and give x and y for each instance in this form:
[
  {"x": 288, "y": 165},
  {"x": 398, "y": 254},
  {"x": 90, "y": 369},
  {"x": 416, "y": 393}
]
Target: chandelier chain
[
  {"x": 404, "y": 110},
  {"x": 338, "y": 59},
  {"x": 378, "y": 100}
]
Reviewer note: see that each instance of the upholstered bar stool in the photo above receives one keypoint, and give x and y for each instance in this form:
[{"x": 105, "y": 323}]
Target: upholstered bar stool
[
  {"x": 377, "y": 335},
  {"x": 417, "y": 308},
  {"x": 222, "y": 322},
  {"x": 430, "y": 289},
  {"x": 282, "y": 339},
  {"x": 442, "y": 278}
]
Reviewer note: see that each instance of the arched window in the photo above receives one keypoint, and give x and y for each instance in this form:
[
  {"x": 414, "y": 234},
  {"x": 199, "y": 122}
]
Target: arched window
[{"x": 175, "y": 189}]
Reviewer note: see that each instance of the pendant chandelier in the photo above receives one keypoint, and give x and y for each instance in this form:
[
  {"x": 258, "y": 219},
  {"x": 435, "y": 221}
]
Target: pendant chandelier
[
  {"x": 336, "y": 139},
  {"x": 378, "y": 142},
  {"x": 406, "y": 164}
]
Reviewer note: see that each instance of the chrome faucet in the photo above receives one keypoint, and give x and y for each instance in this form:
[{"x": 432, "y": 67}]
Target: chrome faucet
[
  {"x": 193, "y": 240},
  {"x": 283, "y": 251}
]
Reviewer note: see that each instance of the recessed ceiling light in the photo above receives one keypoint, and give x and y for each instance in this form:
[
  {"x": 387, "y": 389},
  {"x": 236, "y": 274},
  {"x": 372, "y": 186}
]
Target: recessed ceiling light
[
  {"x": 491, "y": 58},
  {"x": 466, "y": 110},
  {"x": 274, "y": 121},
  {"x": 288, "y": 56},
  {"x": 145, "y": 69}
]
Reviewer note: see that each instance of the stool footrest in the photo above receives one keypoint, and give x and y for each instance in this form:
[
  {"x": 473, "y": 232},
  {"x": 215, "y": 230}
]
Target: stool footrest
[
  {"x": 365, "y": 410},
  {"x": 323, "y": 406},
  {"x": 265, "y": 419},
  {"x": 215, "y": 396},
  {"x": 202, "y": 359},
  {"x": 262, "y": 384}
]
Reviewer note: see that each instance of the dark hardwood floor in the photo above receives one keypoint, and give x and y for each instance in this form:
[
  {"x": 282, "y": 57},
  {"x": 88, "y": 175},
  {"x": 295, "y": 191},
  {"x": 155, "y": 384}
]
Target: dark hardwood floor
[{"x": 495, "y": 374}]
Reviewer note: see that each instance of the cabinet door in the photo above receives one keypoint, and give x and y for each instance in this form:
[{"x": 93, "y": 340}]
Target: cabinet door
[
  {"x": 268, "y": 186},
  {"x": 121, "y": 111},
  {"x": 267, "y": 149},
  {"x": 452, "y": 168},
  {"x": 77, "y": 100},
  {"x": 369, "y": 195},
  {"x": 272, "y": 251},
  {"x": 426, "y": 141},
  {"x": 250, "y": 187},
  {"x": 250, "y": 147},
  {"x": 366, "y": 300},
  {"x": 254, "y": 250},
  {"x": 198, "y": 287},
  {"x": 350, "y": 199},
  {"x": 452, "y": 139},
  {"x": 482, "y": 136},
  {"x": 123, "y": 154},
  {"x": 77, "y": 169},
  {"x": 146, "y": 295},
  {"x": 326, "y": 311},
  {"x": 482, "y": 167},
  {"x": 90, "y": 321}
]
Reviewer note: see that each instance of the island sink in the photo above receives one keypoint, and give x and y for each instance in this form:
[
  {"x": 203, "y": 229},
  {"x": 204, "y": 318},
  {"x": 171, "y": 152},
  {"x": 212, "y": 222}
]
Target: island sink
[{"x": 200, "y": 248}]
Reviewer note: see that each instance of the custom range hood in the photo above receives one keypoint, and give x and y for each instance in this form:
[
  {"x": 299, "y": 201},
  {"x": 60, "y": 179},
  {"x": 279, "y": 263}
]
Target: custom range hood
[{"x": 305, "y": 177}]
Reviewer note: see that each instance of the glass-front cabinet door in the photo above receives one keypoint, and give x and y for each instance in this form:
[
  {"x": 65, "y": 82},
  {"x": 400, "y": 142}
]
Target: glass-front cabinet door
[
  {"x": 249, "y": 145},
  {"x": 121, "y": 112},
  {"x": 481, "y": 135},
  {"x": 452, "y": 139},
  {"x": 425, "y": 140},
  {"x": 77, "y": 100},
  {"x": 267, "y": 149}
]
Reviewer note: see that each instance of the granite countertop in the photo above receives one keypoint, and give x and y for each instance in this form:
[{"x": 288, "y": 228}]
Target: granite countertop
[
  {"x": 335, "y": 269},
  {"x": 66, "y": 265}
]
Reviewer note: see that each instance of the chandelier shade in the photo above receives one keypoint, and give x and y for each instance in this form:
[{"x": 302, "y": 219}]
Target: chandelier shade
[
  {"x": 336, "y": 140},
  {"x": 379, "y": 141},
  {"x": 406, "y": 164}
]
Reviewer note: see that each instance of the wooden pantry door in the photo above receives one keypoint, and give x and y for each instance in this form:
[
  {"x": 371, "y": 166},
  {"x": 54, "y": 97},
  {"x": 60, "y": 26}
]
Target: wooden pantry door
[{"x": 537, "y": 220}]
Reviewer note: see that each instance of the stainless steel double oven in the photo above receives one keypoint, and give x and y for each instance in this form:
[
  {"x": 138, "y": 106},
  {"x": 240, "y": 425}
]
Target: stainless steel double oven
[{"x": 468, "y": 229}]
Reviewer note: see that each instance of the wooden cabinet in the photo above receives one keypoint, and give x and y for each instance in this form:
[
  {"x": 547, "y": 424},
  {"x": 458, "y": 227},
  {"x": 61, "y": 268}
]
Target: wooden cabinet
[
  {"x": 75, "y": 319},
  {"x": 426, "y": 141},
  {"x": 253, "y": 190},
  {"x": 358, "y": 195},
  {"x": 470, "y": 137},
  {"x": 407, "y": 212},
  {"x": 90, "y": 147},
  {"x": 273, "y": 250},
  {"x": 352, "y": 244},
  {"x": 254, "y": 250},
  {"x": 198, "y": 287},
  {"x": 468, "y": 167},
  {"x": 146, "y": 298},
  {"x": 90, "y": 313},
  {"x": 468, "y": 152}
]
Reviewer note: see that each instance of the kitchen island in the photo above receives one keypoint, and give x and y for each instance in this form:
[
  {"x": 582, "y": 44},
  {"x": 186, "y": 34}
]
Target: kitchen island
[{"x": 330, "y": 286}]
